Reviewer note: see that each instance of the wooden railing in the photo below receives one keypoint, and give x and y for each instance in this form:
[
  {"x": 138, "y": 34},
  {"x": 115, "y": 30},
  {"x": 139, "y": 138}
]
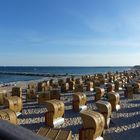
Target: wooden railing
[{"x": 9, "y": 131}]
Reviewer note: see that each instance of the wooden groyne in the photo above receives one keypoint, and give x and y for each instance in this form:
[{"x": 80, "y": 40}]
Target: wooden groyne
[{"x": 32, "y": 74}]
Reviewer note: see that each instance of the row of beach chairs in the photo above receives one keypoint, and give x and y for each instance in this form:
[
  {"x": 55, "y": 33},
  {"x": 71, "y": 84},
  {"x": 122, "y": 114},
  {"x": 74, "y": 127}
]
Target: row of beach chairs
[{"x": 48, "y": 93}]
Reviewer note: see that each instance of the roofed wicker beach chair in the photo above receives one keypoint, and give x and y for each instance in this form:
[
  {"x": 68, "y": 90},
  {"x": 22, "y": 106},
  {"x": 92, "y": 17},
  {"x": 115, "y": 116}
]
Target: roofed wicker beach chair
[
  {"x": 89, "y": 86},
  {"x": 99, "y": 93},
  {"x": 78, "y": 88},
  {"x": 71, "y": 85},
  {"x": 55, "y": 94},
  {"x": 14, "y": 103},
  {"x": 17, "y": 91},
  {"x": 118, "y": 85},
  {"x": 105, "y": 108},
  {"x": 64, "y": 87},
  {"x": 43, "y": 96},
  {"x": 31, "y": 95},
  {"x": 93, "y": 125},
  {"x": 79, "y": 101},
  {"x": 3, "y": 94},
  {"x": 110, "y": 87},
  {"x": 114, "y": 99},
  {"x": 128, "y": 92},
  {"x": 41, "y": 86},
  {"x": 55, "y": 114},
  {"x": 136, "y": 88}
]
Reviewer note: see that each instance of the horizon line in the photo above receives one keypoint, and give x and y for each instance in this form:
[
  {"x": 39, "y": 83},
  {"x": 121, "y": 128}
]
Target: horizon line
[{"x": 60, "y": 66}]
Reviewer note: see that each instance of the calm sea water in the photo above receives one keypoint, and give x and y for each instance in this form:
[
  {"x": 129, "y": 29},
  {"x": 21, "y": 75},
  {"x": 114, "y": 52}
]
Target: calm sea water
[{"x": 53, "y": 70}]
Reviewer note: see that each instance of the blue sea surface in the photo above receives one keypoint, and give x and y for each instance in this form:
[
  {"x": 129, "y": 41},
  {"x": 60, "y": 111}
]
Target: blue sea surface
[{"x": 52, "y": 70}]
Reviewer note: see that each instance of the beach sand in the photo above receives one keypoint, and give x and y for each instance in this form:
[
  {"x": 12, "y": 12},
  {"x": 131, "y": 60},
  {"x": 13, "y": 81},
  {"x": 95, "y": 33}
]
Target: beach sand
[{"x": 125, "y": 124}]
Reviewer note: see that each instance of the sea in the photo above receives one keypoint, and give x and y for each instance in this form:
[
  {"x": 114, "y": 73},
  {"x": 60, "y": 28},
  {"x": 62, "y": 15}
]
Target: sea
[{"x": 4, "y": 78}]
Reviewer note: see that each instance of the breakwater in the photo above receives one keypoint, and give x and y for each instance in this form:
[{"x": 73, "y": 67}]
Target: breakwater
[{"x": 31, "y": 74}]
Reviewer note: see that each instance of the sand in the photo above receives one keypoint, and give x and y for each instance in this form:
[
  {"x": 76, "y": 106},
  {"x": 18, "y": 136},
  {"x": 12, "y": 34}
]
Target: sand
[{"x": 125, "y": 124}]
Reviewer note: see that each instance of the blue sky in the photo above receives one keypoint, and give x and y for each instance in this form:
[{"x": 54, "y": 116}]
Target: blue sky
[{"x": 70, "y": 32}]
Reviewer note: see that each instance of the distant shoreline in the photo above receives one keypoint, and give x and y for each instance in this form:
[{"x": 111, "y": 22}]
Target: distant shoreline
[{"x": 14, "y": 74}]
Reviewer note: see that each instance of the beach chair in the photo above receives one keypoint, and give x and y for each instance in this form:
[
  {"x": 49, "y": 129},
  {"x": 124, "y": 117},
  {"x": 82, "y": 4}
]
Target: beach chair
[
  {"x": 3, "y": 94},
  {"x": 68, "y": 80},
  {"x": 55, "y": 114},
  {"x": 64, "y": 87},
  {"x": 31, "y": 95},
  {"x": 71, "y": 85},
  {"x": 55, "y": 85},
  {"x": 55, "y": 94},
  {"x": 8, "y": 115},
  {"x": 93, "y": 125},
  {"x": 79, "y": 101},
  {"x": 60, "y": 82},
  {"x": 14, "y": 103},
  {"x": 78, "y": 81},
  {"x": 43, "y": 96},
  {"x": 104, "y": 107},
  {"x": 96, "y": 83},
  {"x": 103, "y": 81},
  {"x": 32, "y": 86},
  {"x": 78, "y": 88},
  {"x": 128, "y": 92},
  {"x": 99, "y": 93},
  {"x": 110, "y": 87},
  {"x": 55, "y": 134},
  {"x": 114, "y": 99},
  {"x": 17, "y": 91},
  {"x": 118, "y": 84},
  {"x": 73, "y": 78},
  {"x": 111, "y": 79},
  {"x": 51, "y": 82},
  {"x": 89, "y": 86},
  {"x": 136, "y": 86},
  {"x": 46, "y": 88},
  {"x": 41, "y": 86}
]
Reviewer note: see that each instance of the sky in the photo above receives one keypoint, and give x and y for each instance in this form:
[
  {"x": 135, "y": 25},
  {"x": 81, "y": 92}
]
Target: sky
[{"x": 69, "y": 32}]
